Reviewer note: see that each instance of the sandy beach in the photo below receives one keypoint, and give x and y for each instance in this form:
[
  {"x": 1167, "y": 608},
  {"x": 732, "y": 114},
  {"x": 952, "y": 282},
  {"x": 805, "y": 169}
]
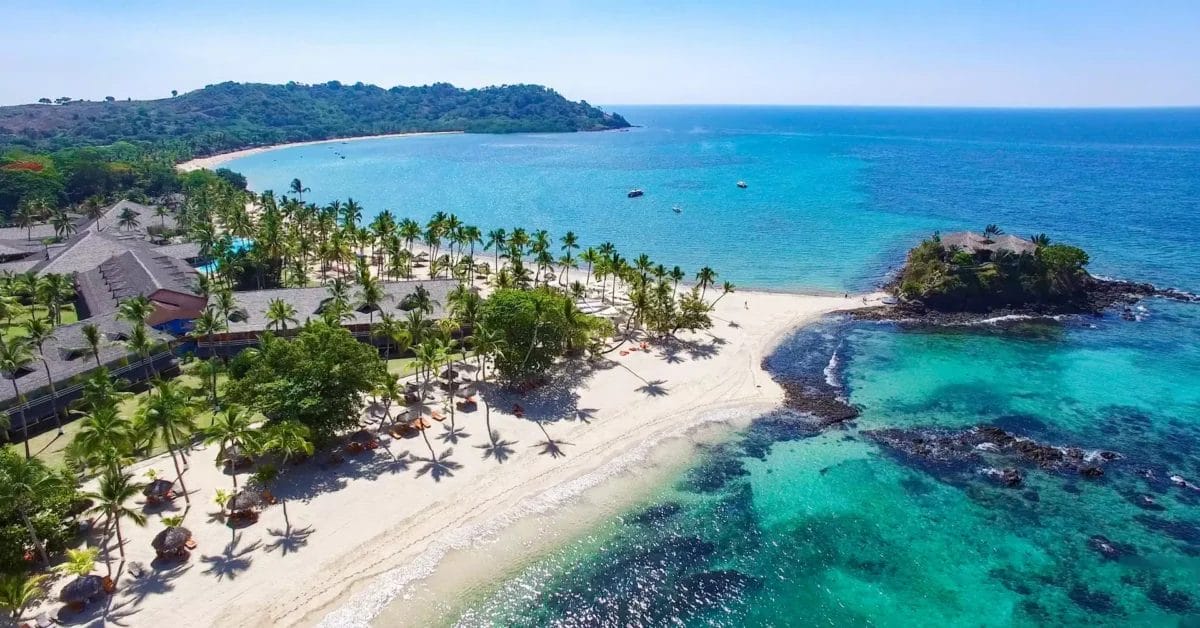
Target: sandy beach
[
  {"x": 216, "y": 161},
  {"x": 346, "y": 539}
]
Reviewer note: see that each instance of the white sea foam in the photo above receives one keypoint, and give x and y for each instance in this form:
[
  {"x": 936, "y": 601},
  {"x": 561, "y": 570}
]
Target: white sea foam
[
  {"x": 367, "y": 605},
  {"x": 831, "y": 369}
]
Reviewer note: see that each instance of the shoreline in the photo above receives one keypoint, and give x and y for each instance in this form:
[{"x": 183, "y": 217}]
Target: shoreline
[
  {"x": 212, "y": 162},
  {"x": 346, "y": 541}
]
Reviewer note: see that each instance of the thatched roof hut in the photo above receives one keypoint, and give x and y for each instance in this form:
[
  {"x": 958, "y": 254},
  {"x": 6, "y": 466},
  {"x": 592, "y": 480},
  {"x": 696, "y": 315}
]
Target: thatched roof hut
[
  {"x": 249, "y": 499},
  {"x": 975, "y": 243},
  {"x": 172, "y": 540},
  {"x": 235, "y": 456},
  {"x": 449, "y": 374},
  {"x": 158, "y": 489},
  {"x": 82, "y": 590}
]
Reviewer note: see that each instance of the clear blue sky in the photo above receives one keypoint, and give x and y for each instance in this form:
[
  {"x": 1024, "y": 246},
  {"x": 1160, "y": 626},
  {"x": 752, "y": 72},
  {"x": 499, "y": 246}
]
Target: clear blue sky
[{"x": 857, "y": 52}]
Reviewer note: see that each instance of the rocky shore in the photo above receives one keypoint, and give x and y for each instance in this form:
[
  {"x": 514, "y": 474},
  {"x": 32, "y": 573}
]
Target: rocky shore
[{"x": 1102, "y": 295}]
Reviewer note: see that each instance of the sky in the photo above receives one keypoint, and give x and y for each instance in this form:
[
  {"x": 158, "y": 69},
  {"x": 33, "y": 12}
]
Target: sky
[{"x": 851, "y": 52}]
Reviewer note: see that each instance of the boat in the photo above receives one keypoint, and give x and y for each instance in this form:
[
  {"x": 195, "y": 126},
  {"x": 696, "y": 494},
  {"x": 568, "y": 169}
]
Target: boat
[
  {"x": 634, "y": 193},
  {"x": 742, "y": 184},
  {"x": 677, "y": 209}
]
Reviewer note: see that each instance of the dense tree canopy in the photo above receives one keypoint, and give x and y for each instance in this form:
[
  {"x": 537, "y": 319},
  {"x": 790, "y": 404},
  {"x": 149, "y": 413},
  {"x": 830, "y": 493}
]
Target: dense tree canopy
[
  {"x": 536, "y": 326},
  {"x": 230, "y": 116},
  {"x": 953, "y": 279},
  {"x": 318, "y": 379},
  {"x": 31, "y": 495}
]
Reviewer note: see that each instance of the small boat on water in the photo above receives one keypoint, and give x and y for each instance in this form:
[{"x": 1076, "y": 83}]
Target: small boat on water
[
  {"x": 634, "y": 193},
  {"x": 677, "y": 209},
  {"x": 742, "y": 184}
]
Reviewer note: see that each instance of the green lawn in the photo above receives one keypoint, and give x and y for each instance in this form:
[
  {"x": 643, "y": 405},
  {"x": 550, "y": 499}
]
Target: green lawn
[
  {"x": 16, "y": 327},
  {"x": 50, "y": 447}
]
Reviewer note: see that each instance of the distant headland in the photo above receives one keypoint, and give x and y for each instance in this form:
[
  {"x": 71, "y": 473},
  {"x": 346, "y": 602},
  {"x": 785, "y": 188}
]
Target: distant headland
[{"x": 234, "y": 116}]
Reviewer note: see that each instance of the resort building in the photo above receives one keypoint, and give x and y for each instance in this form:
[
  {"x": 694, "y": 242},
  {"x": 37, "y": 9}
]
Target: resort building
[
  {"x": 249, "y": 320},
  {"x": 69, "y": 359},
  {"x": 977, "y": 244}
]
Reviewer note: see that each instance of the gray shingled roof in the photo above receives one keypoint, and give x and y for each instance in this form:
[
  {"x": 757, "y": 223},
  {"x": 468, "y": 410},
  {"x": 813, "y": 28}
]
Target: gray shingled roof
[
  {"x": 132, "y": 273},
  {"x": 252, "y": 306},
  {"x": 974, "y": 242},
  {"x": 145, "y": 215},
  {"x": 184, "y": 251},
  {"x": 67, "y": 353},
  {"x": 86, "y": 251},
  {"x": 34, "y": 234}
]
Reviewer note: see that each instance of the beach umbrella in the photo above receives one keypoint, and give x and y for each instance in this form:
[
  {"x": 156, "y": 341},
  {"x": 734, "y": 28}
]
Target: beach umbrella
[
  {"x": 449, "y": 374},
  {"x": 81, "y": 590},
  {"x": 248, "y": 499},
  {"x": 158, "y": 489},
  {"x": 233, "y": 455},
  {"x": 171, "y": 540}
]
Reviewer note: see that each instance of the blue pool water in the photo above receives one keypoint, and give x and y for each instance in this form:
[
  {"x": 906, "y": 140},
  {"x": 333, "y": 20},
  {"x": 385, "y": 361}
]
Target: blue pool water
[
  {"x": 239, "y": 245},
  {"x": 784, "y": 525}
]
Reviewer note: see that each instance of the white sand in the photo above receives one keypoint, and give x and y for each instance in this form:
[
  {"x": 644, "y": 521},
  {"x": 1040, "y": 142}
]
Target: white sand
[
  {"x": 216, "y": 161},
  {"x": 370, "y": 526}
]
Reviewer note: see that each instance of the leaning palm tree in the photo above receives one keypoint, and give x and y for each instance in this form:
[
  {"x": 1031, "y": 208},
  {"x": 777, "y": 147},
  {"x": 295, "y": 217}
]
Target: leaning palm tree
[
  {"x": 15, "y": 356},
  {"x": 115, "y": 490},
  {"x": 40, "y": 330},
  {"x": 141, "y": 343},
  {"x": 298, "y": 189},
  {"x": 231, "y": 427},
  {"x": 289, "y": 440},
  {"x": 279, "y": 314},
  {"x": 727, "y": 288},
  {"x": 167, "y": 414}
]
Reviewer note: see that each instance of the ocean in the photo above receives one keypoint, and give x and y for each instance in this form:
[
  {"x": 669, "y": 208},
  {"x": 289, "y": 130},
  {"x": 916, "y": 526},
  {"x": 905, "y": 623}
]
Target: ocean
[{"x": 785, "y": 525}]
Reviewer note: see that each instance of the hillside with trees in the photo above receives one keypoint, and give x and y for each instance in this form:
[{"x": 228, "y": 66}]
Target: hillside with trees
[{"x": 230, "y": 116}]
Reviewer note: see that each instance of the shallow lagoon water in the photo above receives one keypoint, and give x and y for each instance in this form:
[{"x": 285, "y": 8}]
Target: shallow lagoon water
[{"x": 783, "y": 526}]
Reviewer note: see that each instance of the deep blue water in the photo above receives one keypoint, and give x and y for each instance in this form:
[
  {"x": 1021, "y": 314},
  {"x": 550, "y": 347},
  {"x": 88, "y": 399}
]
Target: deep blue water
[{"x": 784, "y": 525}]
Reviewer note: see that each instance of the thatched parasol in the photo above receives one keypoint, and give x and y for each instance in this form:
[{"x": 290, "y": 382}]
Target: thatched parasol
[
  {"x": 449, "y": 374},
  {"x": 158, "y": 489},
  {"x": 82, "y": 590},
  {"x": 233, "y": 455},
  {"x": 248, "y": 499},
  {"x": 171, "y": 540}
]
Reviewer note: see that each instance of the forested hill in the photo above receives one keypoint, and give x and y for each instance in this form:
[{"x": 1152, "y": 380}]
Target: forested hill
[{"x": 232, "y": 116}]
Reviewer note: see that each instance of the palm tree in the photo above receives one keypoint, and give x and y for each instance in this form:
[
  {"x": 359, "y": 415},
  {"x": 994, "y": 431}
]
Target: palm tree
[
  {"x": 1040, "y": 239},
  {"x": 161, "y": 212},
  {"x": 115, "y": 490},
  {"x": 105, "y": 437},
  {"x": 233, "y": 426},
  {"x": 135, "y": 310},
  {"x": 128, "y": 220},
  {"x": 18, "y": 591},
  {"x": 280, "y": 313},
  {"x": 39, "y": 330},
  {"x": 991, "y": 231},
  {"x": 388, "y": 391},
  {"x": 167, "y": 414},
  {"x": 64, "y": 225},
  {"x": 24, "y": 481},
  {"x": 429, "y": 355},
  {"x": 141, "y": 343},
  {"x": 727, "y": 288},
  {"x": 80, "y": 562},
  {"x": 371, "y": 294},
  {"x": 706, "y": 277},
  {"x": 298, "y": 189},
  {"x": 15, "y": 356},
  {"x": 677, "y": 275},
  {"x": 287, "y": 439},
  {"x": 496, "y": 240},
  {"x": 93, "y": 208},
  {"x": 26, "y": 217},
  {"x": 589, "y": 255},
  {"x": 487, "y": 342},
  {"x": 208, "y": 324}
]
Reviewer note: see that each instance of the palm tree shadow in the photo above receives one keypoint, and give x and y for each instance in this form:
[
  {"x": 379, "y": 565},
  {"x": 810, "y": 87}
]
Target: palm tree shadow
[
  {"x": 401, "y": 461},
  {"x": 551, "y": 447},
  {"x": 585, "y": 414},
  {"x": 153, "y": 581},
  {"x": 289, "y": 540},
  {"x": 438, "y": 467},
  {"x": 654, "y": 388},
  {"x": 497, "y": 448},
  {"x": 232, "y": 561},
  {"x": 452, "y": 435},
  {"x": 217, "y": 517}
]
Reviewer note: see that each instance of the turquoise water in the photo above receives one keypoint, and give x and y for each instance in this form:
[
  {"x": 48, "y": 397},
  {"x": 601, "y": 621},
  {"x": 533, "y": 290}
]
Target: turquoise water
[
  {"x": 835, "y": 195},
  {"x": 787, "y": 524},
  {"x": 239, "y": 245}
]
